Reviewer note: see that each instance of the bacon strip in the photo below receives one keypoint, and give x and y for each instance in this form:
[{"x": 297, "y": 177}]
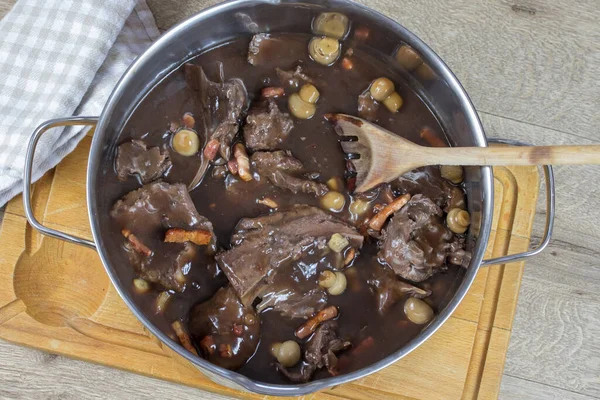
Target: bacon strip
[
  {"x": 184, "y": 338},
  {"x": 366, "y": 344},
  {"x": 243, "y": 162},
  {"x": 188, "y": 120},
  {"x": 178, "y": 235},
  {"x": 376, "y": 223},
  {"x": 308, "y": 328},
  {"x": 272, "y": 92},
  {"x": 350, "y": 254},
  {"x": 136, "y": 243},
  {"x": 432, "y": 138},
  {"x": 347, "y": 63},
  {"x": 267, "y": 201},
  {"x": 211, "y": 149},
  {"x": 232, "y": 166}
]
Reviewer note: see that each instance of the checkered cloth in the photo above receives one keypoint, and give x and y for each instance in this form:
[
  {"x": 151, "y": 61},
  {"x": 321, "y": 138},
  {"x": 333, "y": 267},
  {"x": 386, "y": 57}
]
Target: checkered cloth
[{"x": 60, "y": 58}]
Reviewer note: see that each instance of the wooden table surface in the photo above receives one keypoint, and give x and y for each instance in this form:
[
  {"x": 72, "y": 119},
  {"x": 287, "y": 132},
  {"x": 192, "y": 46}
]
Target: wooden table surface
[{"x": 531, "y": 68}]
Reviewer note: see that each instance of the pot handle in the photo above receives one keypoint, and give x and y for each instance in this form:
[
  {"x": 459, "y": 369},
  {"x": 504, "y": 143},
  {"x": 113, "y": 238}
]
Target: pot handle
[
  {"x": 53, "y": 123},
  {"x": 550, "y": 212}
]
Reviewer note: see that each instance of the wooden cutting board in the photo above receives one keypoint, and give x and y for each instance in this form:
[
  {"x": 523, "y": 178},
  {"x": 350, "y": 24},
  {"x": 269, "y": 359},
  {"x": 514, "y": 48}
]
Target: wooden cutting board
[{"x": 56, "y": 297}]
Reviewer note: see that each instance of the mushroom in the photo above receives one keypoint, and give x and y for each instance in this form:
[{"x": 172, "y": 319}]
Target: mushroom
[
  {"x": 331, "y": 24},
  {"x": 408, "y": 57},
  {"x": 358, "y": 207},
  {"x": 300, "y": 108},
  {"x": 333, "y": 201},
  {"x": 309, "y": 93},
  {"x": 453, "y": 173},
  {"x": 334, "y": 282},
  {"x": 458, "y": 220},
  {"x": 286, "y": 353},
  {"x": 338, "y": 243},
  {"x": 186, "y": 142},
  {"x": 335, "y": 183},
  {"x": 393, "y": 102},
  {"x": 324, "y": 50},
  {"x": 381, "y": 88},
  {"x": 141, "y": 285},
  {"x": 418, "y": 311}
]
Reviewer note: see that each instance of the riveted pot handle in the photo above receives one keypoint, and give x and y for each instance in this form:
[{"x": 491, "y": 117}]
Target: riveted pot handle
[
  {"x": 550, "y": 211},
  {"x": 53, "y": 123}
]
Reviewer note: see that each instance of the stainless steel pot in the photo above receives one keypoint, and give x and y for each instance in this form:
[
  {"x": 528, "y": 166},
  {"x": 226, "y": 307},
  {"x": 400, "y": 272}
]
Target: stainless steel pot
[{"x": 219, "y": 24}]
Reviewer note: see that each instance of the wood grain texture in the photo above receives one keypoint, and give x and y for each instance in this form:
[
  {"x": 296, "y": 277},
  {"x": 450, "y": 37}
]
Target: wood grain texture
[
  {"x": 576, "y": 189},
  {"x": 517, "y": 388},
  {"x": 530, "y": 60},
  {"x": 5, "y": 6},
  {"x": 558, "y": 316},
  {"x": 45, "y": 376}
]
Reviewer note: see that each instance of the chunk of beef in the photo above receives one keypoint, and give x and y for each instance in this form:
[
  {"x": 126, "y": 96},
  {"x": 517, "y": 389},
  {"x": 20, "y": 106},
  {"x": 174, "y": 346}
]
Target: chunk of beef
[
  {"x": 367, "y": 106},
  {"x": 416, "y": 242},
  {"x": 266, "y": 127},
  {"x": 148, "y": 212},
  {"x": 389, "y": 289},
  {"x": 428, "y": 181},
  {"x": 135, "y": 158},
  {"x": 226, "y": 331},
  {"x": 457, "y": 255},
  {"x": 158, "y": 205},
  {"x": 299, "y": 218},
  {"x": 283, "y": 170},
  {"x": 322, "y": 344},
  {"x": 221, "y": 108},
  {"x": 263, "y": 245},
  {"x": 319, "y": 351},
  {"x": 293, "y": 77},
  {"x": 291, "y": 301},
  {"x": 165, "y": 266}
]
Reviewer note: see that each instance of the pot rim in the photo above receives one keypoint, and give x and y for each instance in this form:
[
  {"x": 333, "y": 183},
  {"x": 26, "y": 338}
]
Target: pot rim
[{"x": 242, "y": 381}]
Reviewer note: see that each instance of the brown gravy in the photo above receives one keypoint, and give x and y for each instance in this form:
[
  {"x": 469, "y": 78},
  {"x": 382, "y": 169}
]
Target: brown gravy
[{"x": 314, "y": 142}]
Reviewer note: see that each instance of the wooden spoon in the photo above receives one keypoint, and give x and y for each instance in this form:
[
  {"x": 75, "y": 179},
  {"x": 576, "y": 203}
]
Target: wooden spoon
[{"x": 381, "y": 156}]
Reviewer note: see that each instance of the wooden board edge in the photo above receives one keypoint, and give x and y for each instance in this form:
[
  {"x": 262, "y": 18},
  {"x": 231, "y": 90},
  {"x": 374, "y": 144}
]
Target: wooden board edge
[
  {"x": 41, "y": 201},
  {"x": 486, "y": 363}
]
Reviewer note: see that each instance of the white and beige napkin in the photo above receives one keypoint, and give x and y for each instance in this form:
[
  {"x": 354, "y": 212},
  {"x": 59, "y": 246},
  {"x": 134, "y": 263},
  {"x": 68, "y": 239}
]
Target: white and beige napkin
[{"x": 60, "y": 58}]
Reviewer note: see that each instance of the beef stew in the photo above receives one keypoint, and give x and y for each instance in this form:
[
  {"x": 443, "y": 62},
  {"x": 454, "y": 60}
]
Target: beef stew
[{"x": 234, "y": 153}]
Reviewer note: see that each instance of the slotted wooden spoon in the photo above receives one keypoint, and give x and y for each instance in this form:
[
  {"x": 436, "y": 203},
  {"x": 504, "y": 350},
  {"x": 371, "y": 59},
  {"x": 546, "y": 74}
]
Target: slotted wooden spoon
[{"x": 381, "y": 156}]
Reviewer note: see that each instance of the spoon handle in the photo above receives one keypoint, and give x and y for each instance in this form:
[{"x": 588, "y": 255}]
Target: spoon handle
[{"x": 529, "y": 155}]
